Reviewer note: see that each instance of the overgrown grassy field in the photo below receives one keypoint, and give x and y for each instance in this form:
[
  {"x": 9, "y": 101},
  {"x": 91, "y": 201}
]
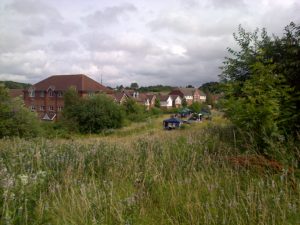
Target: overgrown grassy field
[{"x": 144, "y": 175}]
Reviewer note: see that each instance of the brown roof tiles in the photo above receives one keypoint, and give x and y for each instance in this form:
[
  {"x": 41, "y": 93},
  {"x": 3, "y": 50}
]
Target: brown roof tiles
[{"x": 62, "y": 82}]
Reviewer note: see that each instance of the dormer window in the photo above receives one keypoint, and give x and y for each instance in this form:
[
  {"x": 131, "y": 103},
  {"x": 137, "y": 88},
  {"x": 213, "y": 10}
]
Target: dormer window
[
  {"x": 31, "y": 92},
  {"x": 51, "y": 93},
  {"x": 60, "y": 94}
]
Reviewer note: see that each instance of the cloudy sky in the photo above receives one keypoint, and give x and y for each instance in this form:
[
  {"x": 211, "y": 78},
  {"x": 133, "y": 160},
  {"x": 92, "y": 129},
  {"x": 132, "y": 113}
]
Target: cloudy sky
[{"x": 175, "y": 42}]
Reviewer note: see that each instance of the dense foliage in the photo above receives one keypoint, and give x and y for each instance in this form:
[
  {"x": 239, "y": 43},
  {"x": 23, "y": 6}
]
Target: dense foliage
[
  {"x": 156, "y": 88},
  {"x": 15, "y": 118},
  {"x": 134, "y": 111},
  {"x": 15, "y": 85},
  {"x": 262, "y": 85},
  {"x": 91, "y": 114},
  {"x": 211, "y": 87}
]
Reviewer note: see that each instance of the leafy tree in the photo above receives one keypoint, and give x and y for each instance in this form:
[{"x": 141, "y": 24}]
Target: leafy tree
[
  {"x": 91, "y": 115},
  {"x": 120, "y": 88},
  {"x": 72, "y": 103},
  {"x": 133, "y": 110},
  {"x": 99, "y": 113},
  {"x": 261, "y": 84},
  {"x": 156, "y": 88},
  {"x": 134, "y": 86},
  {"x": 190, "y": 86},
  {"x": 15, "y": 118},
  {"x": 157, "y": 103},
  {"x": 195, "y": 107},
  {"x": 211, "y": 87},
  {"x": 209, "y": 99},
  {"x": 184, "y": 102},
  {"x": 15, "y": 85},
  {"x": 258, "y": 111}
]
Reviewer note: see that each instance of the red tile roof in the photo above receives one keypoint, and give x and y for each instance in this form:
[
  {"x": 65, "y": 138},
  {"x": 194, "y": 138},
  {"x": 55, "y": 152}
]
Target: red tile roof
[{"x": 62, "y": 82}]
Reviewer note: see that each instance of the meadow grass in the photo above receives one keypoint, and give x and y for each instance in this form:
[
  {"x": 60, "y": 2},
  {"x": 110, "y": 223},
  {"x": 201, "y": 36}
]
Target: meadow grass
[{"x": 149, "y": 176}]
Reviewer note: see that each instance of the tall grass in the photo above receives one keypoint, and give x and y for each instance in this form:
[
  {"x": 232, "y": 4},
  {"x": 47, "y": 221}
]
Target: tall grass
[{"x": 181, "y": 177}]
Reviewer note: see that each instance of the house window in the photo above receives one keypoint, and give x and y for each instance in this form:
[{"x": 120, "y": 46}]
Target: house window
[
  {"x": 91, "y": 93},
  {"x": 51, "y": 93},
  {"x": 42, "y": 94},
  {"x": 32, "y": 108},
  {"x": 31, "y": 93},
  {"x": 42, "y": 108},
  {"x": 60, "y": 108},
  {"x": 51, "y": 108},
  {"x": 60, "y": 94}
]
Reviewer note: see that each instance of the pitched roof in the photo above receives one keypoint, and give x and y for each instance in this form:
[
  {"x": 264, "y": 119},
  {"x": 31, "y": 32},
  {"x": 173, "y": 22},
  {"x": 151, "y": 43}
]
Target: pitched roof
[
  {"x": 175, "y": 96},
  {"x": 163, "y": 97},
  {"x": 150, "y": 96},
  {"x": 187, "y": 91},
  {"x": 62, "y": 82},
  {"x": 119, "y": 95},
  {"x": 141, "y": 97}
]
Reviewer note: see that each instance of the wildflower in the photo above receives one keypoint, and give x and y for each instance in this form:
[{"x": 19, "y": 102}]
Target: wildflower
[{"x": 24, "y": 179}]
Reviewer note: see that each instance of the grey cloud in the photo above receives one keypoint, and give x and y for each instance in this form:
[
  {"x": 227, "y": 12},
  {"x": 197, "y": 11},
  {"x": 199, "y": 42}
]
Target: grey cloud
[
  {"x": 11, "y": 42},
  {"x": 125, "y": 43},
  {"x": 173, "y": 22},
  {"x": 185, "y": 24},
  {"x": 64, "y": 46},
  {"x": 227, "y": 3},
  {"x": 108, "y": 15},
  {"x": 34, "y": 7}
]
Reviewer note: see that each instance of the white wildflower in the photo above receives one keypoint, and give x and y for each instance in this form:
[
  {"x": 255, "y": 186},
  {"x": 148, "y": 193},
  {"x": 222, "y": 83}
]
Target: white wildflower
[{"x": 24, "y": 179}]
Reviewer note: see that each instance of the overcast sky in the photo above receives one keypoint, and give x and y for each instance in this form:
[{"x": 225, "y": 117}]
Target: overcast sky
[{"x": 174, "y": 42}]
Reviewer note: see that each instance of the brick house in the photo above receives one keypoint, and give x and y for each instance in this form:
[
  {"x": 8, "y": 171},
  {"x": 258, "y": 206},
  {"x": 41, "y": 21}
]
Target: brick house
[
  {"x": 119, "y": 97},
  {"x": 46, "y": 96},
  {"x": 152, "y": 99},
  {"x": 177, "y": 101},
  {"x": 166, "y": 101},
  {"x": 147, "y": 100},
  {"x": 189, "y": 94}
]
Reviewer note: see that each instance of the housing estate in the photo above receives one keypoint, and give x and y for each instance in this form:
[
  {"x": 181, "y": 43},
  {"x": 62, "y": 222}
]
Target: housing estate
[
  {"x": 189, "y": 94},
  {"x": 166, "y": 101},
  {"x": 46, "y": 96}
]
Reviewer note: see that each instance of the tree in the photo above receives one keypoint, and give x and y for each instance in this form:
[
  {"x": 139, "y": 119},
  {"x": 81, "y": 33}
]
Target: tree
[
  {"x": 72, "y": 103},
  {"x": 209, "y": 99},
  {"x": 99, "y": 113},
  {"x": 195, "y": 107},
  {"x": 261, "y": 84},
  {"x": 91, "y": 115},
  {"x": 134, "y": 86},
  {"x": 184, "y": 102},
  {"x": 15, "y": 118},
  {"x": 133, "y": 110},
  {"x": 211, "y": 87},
  {"x": 157, "y": 103},
  {"x": 189, "y": 86}
]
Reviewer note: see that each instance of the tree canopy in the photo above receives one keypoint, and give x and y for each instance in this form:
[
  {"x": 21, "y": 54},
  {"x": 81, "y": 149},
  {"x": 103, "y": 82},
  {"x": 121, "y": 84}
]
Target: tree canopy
[
  {"x": 91, "y": 114},
  {"x": 15, "y": 118},
  {"x": 261, "y": 84}
]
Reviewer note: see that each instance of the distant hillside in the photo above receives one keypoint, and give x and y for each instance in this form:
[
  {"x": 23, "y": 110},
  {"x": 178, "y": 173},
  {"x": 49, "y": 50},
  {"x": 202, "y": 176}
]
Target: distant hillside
[{"x": 15, "y": 85}]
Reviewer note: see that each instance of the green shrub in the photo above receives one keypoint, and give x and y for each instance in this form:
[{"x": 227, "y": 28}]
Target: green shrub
[{"x": 15, "y": 118}]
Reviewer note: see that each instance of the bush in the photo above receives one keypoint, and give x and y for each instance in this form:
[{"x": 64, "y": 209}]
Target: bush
[
  {"x": 15, "y": 118},
  {"x": 134, "y": 112},
  {"x": 91, "y": 115}
]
